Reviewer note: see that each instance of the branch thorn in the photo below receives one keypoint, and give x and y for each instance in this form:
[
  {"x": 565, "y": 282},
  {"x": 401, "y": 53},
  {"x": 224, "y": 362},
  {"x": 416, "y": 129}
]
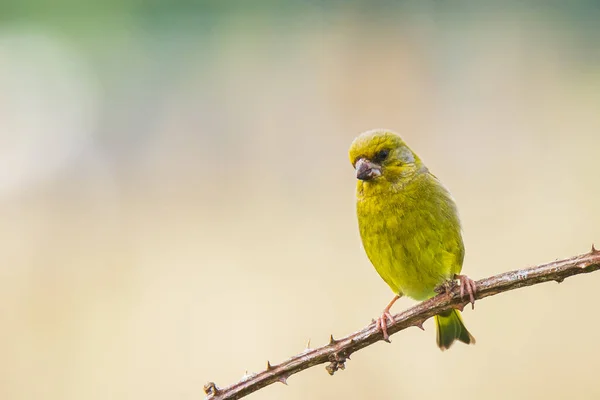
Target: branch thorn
[
  {"x": 332, "y": 340},
  {"x": 269, "y": 366},
  {"x": 283, "y": 380}
]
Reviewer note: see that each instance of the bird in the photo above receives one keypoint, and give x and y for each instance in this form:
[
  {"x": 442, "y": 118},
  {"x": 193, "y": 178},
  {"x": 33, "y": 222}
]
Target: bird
[{"x": 410, "y": 229}]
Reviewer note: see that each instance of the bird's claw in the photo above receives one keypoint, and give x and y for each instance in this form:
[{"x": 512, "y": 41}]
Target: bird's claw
[
  {"x": 382, "y": 324},
  {"x": 467, "y": 284},
  {"x": 382, "y": 321}
]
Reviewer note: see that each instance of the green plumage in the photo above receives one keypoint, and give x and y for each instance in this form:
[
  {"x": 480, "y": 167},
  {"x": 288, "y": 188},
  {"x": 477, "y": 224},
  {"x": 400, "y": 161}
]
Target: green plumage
[
  {"x": 409, "y": 225},
  {"x": 450, "y": 327}
]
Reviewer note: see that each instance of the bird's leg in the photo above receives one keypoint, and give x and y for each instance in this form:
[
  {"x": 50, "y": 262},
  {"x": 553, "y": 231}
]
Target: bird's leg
[
  {"x": 382, "y": 321},
  {"x": 469, "y": 285}
]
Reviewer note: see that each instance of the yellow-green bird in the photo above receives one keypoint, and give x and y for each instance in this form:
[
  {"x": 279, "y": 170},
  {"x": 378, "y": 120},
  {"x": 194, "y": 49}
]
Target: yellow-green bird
[{"x": 409, "y": 227}]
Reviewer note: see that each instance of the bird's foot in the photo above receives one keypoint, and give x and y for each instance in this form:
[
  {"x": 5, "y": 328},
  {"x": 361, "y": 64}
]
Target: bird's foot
[
  {"x": 382, "y": 321},
  {"x": 467, "y": 284},
  {"x": 382, "y": 324}
]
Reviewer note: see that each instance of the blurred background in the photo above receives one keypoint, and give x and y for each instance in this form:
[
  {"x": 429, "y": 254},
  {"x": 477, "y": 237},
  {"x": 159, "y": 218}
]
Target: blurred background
[{"x": 177, "y": 205}]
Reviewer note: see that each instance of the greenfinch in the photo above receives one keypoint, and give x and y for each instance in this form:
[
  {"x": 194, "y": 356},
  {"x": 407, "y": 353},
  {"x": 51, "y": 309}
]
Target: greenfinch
[{"x": 410, "y": 228}]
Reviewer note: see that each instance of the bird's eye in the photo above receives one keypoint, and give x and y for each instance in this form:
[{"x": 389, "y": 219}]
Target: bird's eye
[{"x": 381, "y": 155}]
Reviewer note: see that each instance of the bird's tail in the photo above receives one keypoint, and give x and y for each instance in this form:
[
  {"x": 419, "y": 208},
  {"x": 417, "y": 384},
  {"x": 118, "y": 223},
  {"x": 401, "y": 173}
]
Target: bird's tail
[{"x": 450, "y": 327}]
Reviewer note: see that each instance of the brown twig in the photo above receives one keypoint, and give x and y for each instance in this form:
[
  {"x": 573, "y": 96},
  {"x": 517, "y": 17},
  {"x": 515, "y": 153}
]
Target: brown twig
[{"x": 337, "y": 352}]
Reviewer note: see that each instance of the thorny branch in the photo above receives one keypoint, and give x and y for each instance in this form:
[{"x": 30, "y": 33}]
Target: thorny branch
[{"x": 337, "y": 352}]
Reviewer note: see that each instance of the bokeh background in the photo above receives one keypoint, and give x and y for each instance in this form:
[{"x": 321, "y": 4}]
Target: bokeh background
[{"x": 177, "y": 207}]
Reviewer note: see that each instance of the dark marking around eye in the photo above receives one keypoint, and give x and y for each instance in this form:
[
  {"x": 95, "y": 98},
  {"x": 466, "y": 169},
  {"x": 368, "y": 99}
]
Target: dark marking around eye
[{"x": 381, "y": 155}]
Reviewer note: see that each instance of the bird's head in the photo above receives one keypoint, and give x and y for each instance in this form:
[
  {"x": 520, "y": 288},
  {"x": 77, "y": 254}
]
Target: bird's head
[{"x": 381, "y": 155}]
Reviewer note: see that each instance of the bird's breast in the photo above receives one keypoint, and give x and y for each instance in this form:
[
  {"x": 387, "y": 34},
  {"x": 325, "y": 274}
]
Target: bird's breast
[{"x": 407, "y": 241}]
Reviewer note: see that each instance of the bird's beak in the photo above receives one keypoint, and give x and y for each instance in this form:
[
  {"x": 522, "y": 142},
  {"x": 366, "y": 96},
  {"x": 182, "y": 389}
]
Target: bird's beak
[{"x": 367, "y": 170}]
